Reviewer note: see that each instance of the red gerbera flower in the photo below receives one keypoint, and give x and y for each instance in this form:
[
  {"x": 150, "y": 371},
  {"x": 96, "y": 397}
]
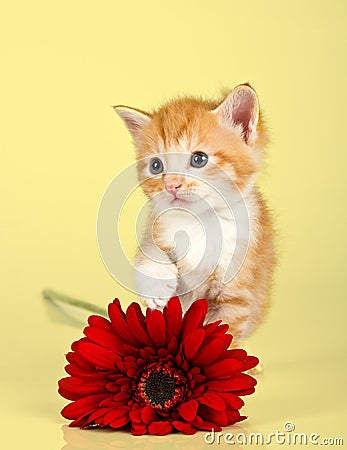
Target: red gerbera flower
[{"x": 156, "y": 373}]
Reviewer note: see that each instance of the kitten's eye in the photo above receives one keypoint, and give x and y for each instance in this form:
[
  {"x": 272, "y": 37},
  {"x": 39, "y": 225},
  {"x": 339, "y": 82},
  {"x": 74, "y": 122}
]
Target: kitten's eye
[
  {"x": 198, "y": 159},
  {"x": 156, "y": 166}
]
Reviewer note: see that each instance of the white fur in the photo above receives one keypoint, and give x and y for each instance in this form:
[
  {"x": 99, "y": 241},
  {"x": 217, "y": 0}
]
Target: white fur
[
  {"x": 187, "y": 233},
  {"x": 155, "y": 282}
]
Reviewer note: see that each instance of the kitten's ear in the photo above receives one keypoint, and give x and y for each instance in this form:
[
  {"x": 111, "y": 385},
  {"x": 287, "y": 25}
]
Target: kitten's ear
[
  {"x": 134, "y": 119},
  {"x": 240, "y": 110}
]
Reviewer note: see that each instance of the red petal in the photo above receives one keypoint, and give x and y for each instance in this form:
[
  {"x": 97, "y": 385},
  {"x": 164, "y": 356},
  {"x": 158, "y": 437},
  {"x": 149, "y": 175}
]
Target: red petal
[
  {"x": 217, "y": 417},
  {"x": 216, "y": 331},
  {"x": 197, "y": 392},
  {"x": 188, "y": 410},
  {"x": 243, "y": 381},
  {"x": 246, "y": 391},
  {"x": 234, "y": 416},
  {"x": 79, "y": 360},
  {"x": 75, "y": 371},
  {"x": 122, "y": 396},
  {"x": 70, "y": 357},
  {"x": 232, "y": 401},
  {"x": 237, "y": 353},
  {"x": 99, "y": 356},
  {"x": 212, "y": 400},
  {"x": 138, "y": 429},
  {"x": 157, "y": 328},
  {"x": 74, "y": 345},
  {"x": 113, "y": 416},
  {"x": 83, "y": 406},
  {"x": 99, "y": 412},
  {"x": 75, "y": 388},
  {"x": 220, "y": 385},
  {"x": 159, "y": 428},
  {"x": 221, "y": 329},
  {"x": 119, "y": 323},
  {"x": 211, "y": 327},
  {"x": 250, "y": 362},
  {"x": 173, "y": 317},
  {"x": 179, "y": 359},
  {"x": 192, "y": 342},
  {"x": 228, "y": 338},
  {"x": 100, "y": 322},
  {"x": 194, "y": 317},
  {"x": 236, "y": 383},
  {"x": 120, "y": 380},
  {"x": 210, "y": 352},
  {"x": 148, "y": 415},
  {"x": 105, "y": 339},
  {"x": 184, "y": 427},
  {"x": 81, "y": 422},
  {"x": 130, "y": 350},
  {"x": 147, "y": 353},
  {"x": 163, "y": 352},
  {"x": 135, "y": 415},
  {"x": 201, "y": 424},
  {"x": 172, "y": 346},
  {"x": 137, "y": 323},
  {"x": 120, "y": 422},
  {"x": 223, "y": 368},
  {"x": 200, "y": 378}
]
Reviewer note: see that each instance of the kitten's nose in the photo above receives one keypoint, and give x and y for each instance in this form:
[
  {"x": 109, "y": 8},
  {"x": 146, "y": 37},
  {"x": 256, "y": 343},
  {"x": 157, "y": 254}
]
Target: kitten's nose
[{"x": 172, "y": 187}]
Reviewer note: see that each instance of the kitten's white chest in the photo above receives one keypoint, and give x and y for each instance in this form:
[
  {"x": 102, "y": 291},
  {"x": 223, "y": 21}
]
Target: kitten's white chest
[{"x": 201, "y": 243}]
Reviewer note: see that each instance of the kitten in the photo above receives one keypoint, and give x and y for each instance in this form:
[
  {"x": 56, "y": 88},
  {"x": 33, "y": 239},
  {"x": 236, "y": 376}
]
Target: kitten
[{"x": 210, "y": 234}]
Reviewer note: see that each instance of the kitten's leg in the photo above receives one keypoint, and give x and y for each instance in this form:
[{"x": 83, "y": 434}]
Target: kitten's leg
[
  {"x": 237, "y": 313},
  {"x": 155, "y": 279}
]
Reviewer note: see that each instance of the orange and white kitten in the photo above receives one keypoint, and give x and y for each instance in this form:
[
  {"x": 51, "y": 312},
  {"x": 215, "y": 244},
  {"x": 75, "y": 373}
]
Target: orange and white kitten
[{"x": 210, "y": 234}]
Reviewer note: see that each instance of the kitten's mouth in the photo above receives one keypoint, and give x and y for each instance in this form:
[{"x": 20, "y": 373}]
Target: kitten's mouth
[
  {"x": 185, "y": 198},
  {"x": 178, "y": 200}
]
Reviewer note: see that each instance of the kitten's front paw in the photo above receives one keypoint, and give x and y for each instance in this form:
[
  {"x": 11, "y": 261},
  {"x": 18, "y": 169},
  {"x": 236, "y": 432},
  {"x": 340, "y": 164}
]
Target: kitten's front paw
[{"x": 156, "y": 283}]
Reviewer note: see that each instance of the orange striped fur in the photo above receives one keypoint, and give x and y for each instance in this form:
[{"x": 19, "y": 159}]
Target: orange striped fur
[{"x": 233, "y": 135}]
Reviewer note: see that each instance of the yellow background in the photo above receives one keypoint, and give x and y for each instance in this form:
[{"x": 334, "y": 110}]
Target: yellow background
[{"x": 63, "y": 63}]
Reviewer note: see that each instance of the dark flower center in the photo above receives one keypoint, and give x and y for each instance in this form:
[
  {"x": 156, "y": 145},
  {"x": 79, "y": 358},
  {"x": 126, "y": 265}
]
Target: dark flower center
[
  {"x": 161, "y": 385},
  {"x": 159, "y": 388}
]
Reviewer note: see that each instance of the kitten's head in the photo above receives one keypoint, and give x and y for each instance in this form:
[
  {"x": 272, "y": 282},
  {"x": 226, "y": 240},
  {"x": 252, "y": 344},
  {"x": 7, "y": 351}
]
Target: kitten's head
[{"x": 191, "y": 149}]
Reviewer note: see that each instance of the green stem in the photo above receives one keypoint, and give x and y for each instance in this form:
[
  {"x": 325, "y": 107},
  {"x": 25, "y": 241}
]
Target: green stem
[{"x": 54, "y": 296}]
